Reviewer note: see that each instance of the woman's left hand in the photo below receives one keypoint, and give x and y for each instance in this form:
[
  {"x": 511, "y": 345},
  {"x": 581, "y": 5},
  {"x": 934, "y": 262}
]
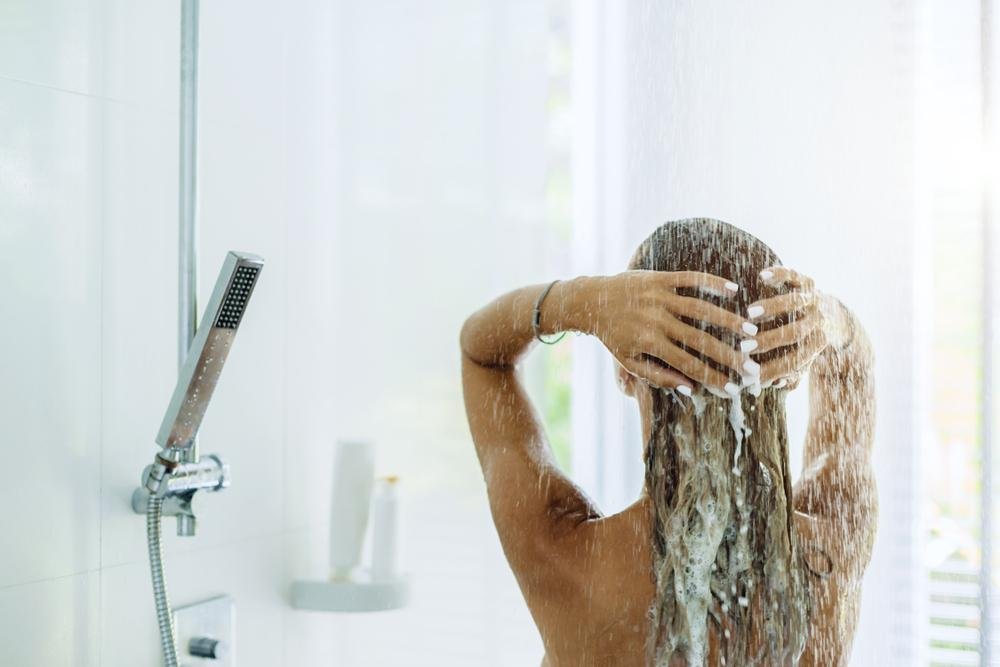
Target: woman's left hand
[{"x": 808, "y": 327}]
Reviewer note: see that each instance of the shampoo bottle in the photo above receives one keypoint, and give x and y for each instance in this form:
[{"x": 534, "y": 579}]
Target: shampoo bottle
[{"x": 353, "y": 476}]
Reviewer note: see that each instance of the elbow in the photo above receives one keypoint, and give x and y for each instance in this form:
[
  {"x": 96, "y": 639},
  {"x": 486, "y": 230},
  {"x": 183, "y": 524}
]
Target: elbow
[
  {"x": 464, "y": 335},
  {"x": 481, "y": 348},
  {"x": 466, "y": 341},
  {"x": 461, "y": 337}
]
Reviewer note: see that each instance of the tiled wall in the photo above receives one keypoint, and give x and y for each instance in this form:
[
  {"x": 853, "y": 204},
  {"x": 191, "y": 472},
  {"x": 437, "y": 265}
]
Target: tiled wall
[
  {"x": 88, "y": 201},
  {"x": 88, "y": 208}
]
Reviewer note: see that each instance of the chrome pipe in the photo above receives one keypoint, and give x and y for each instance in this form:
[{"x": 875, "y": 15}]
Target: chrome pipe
[
  {"x": 188, "y": 185},
  {"x": 187, "y": 205}
]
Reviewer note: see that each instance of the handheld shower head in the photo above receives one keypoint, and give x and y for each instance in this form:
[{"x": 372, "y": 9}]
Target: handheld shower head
[{"x": 209, "y": 350}]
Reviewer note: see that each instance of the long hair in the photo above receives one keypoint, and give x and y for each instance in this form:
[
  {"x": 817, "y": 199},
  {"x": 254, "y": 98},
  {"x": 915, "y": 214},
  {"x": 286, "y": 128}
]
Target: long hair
[{"x": 717, "y": 472}]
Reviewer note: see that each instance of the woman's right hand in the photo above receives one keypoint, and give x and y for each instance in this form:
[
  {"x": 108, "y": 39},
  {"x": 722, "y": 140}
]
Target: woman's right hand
[
  {"x": 637, "y": 315},
  {"x": 815, "y": 321}
]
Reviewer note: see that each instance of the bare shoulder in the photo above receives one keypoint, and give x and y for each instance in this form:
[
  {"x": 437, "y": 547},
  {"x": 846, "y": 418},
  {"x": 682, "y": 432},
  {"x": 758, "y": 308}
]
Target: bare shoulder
[{"x": 599, "y": 616}]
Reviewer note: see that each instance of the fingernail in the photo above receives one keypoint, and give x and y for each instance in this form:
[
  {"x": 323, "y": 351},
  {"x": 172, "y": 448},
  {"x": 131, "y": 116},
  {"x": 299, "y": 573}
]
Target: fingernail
[
  {"x": 780, "y": 383},
  {"x": 755, "y": 311},
  {"x": 748, "y": 345},
  {"x": 684, "y": 389},
  {"x": 732, "y": 287},
  {"x": 750, "y": 329},
  {"x": 716, "y": 392},
  {"x": 754, "y": 390},
  {"x": 751, "y": 367},
  {"x": 766, "y": 275},
  {"x": 731, "y": 389}
]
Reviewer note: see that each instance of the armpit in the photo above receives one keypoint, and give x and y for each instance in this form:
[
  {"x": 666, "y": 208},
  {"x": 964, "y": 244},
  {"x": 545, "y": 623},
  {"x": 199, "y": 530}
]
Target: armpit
[{"x": 567, "y": 512}]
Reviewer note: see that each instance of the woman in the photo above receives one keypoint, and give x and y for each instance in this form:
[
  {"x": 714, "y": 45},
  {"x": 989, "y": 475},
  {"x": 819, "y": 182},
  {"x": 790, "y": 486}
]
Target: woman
[{"x": 719, "y": 561}]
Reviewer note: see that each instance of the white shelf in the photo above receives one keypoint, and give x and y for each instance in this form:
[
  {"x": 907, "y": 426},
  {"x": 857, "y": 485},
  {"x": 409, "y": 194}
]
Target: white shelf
[{"x": 360, "y": 594}]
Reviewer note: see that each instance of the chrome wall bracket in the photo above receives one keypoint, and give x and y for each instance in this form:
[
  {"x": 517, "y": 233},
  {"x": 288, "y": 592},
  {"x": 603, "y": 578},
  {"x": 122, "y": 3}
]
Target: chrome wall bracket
[{"x": 178, "y": 484}]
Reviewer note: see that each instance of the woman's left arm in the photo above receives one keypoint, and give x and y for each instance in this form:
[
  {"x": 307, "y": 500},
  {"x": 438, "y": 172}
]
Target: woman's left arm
[
  {"x": 638, "y": 316},
  {"x": 532, "y": 502}
]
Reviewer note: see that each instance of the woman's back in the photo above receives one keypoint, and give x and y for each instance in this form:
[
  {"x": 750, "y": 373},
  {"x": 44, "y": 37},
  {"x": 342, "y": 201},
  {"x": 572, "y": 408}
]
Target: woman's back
[
  {"x": 720, "y": 561},
  {"x": 616, "y": 626}
]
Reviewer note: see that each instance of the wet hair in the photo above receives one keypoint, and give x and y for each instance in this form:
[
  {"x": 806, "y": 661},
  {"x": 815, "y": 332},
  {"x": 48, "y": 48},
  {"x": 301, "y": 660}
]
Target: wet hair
[{"x": 725, "y": 552}]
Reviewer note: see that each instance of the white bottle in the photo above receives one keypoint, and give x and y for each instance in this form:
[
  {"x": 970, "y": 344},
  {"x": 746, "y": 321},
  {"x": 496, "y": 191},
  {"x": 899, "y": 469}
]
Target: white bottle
[
  {"x": 385, "y": 530},
  {"x": 353, "y": 476}
]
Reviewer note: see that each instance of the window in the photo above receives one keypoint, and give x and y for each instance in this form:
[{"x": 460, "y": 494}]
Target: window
[{"x": 950, "y": 155}]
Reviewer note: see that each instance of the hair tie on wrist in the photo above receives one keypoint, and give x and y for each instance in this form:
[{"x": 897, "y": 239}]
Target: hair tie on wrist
[{"x": 536, "y": 318}]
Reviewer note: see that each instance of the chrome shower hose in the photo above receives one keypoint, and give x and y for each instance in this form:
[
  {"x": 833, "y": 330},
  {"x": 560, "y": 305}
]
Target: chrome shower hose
[{"x": 164, "y": 617}]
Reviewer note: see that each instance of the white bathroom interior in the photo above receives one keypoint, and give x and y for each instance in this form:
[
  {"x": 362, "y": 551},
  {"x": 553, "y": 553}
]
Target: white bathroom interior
[{"x": 396, "y": 164}]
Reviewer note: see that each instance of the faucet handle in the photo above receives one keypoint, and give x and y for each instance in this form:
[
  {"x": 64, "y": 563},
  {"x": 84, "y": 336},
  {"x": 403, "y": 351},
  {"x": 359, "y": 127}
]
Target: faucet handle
[
  {"x": 206, "y": 647},
  {"x": 186, "y": 524}
]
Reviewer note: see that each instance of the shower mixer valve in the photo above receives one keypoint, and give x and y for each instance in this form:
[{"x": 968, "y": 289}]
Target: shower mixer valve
[
  {"x": 177, "y": 472},
  {"x": 177, "y": 483}
]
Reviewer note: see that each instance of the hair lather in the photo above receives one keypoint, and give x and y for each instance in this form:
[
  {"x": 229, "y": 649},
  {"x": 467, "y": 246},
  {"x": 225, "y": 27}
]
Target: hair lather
[{"x": 729, "y": 585}]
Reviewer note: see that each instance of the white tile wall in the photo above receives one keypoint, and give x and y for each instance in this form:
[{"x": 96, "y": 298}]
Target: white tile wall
[
  {"x": 139, "y": 269},
  {"x": 50, "y": 269},
  {"x": 251, "y": 571},
  {"x": 51, "y": 622},
  {"x": 292, "y": 96},
  {"x": 53, "y": 43},
  {"x": 140, "y": 52}
]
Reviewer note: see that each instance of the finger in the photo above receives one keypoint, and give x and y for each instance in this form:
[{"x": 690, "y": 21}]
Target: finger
[
  {"x": 788, "y": 382},
  {"x": 699, "y": 309},
  {"x": 782, "y": 275},
  {"x": 705, "y": 343},
  {"x": 793, "y": 381},
  {"x": 779, "y": 305},
  {"x": 688, "y": 364},
  {"x": 795, "y": 359},
  {"x": 705, "y": 282},
  {"x": 656, "y": 375},
  {"x": 790, "y": 333}
]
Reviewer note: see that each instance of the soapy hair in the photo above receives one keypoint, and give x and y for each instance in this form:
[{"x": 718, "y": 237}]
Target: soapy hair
[{"x": 725, "y": 552}]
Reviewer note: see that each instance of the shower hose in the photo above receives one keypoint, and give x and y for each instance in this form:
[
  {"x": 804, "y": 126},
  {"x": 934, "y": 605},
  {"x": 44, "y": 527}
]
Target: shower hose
[{"x": 154, "y": 509}]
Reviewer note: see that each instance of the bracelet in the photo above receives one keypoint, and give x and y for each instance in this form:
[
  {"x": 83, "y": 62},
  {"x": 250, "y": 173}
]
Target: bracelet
[{"x": 536, "y": 318}]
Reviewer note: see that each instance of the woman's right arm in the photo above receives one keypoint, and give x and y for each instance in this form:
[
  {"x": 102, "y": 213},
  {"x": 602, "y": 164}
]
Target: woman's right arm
[
  {"x": 838, "y": 480},
  {"x": 842, "y": 391},
  {"x": 836, "y": 494},
  {"x": 837, "y": 486}
]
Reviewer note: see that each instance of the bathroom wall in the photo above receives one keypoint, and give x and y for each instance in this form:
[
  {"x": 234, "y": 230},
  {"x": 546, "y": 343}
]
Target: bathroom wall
[{"x": 385, "y": 206}]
